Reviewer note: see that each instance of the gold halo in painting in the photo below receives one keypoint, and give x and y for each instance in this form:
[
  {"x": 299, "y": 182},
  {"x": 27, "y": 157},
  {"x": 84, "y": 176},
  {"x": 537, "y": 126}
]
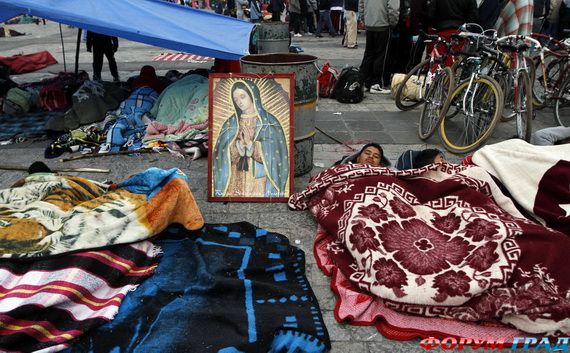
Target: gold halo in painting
[{"x": 274, "y": 98}]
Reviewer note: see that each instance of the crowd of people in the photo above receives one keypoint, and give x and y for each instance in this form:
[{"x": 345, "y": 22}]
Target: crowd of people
[{"x": 393, "y": 27}]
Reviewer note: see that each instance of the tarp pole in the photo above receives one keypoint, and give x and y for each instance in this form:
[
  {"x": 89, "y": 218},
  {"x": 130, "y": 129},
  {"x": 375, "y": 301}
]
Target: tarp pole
[
  {"x": 77, "y": 50},
  {"x": 62, "y": 48}
]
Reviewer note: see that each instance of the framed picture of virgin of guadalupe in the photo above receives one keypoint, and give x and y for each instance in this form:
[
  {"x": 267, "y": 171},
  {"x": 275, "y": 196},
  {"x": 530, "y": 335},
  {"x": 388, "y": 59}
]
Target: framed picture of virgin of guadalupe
[{"x": 250, "y": 154}]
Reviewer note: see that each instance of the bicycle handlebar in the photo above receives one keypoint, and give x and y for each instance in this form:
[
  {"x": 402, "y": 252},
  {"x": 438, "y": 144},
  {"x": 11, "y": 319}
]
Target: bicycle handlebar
[{"x": 520, "y": 37}]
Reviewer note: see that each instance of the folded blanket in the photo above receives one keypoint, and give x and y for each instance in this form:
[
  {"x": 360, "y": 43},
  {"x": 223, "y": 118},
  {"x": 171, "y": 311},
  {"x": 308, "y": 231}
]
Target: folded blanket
[
  {"x": 46, "y": 303},
  {"x": 537, "y": 177},
  {"x": 443, "y": 241},
  {"x": 52, "y": 214}
]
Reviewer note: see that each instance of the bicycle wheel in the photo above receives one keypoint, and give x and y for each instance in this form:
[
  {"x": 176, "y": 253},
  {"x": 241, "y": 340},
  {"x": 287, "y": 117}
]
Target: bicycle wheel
[
  {"x": 553, "y": 67},
  {"x": 479, "y": 107},
  {"x": 441, "y": 88},
  {"x": 562, "y": 105},
  {"x": 509, "y": 109},
  {"x": 506, "y": 83},
  {"x": 523, "y": 106},
  {"x": 410, "y": 91}
]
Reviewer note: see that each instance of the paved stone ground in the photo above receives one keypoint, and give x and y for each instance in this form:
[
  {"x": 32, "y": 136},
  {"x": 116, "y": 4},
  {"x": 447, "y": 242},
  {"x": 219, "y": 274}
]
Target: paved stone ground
[{"x": 374, "y": 119}]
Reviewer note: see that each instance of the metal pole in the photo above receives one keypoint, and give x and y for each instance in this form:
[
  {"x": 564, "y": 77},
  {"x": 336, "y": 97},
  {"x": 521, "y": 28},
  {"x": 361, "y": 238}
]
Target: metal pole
[
  {"x": 77, "y": 50},
  {"x": 62, "y": 48}
]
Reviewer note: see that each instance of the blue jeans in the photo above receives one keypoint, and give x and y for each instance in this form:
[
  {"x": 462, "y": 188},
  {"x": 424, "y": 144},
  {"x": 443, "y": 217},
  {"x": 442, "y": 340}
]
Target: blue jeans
[{"x": 325, "y": 15}]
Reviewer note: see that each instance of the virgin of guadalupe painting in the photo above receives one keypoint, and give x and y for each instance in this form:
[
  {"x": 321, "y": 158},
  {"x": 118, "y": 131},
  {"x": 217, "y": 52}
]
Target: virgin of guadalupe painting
[{"x": 250, "y": 157}]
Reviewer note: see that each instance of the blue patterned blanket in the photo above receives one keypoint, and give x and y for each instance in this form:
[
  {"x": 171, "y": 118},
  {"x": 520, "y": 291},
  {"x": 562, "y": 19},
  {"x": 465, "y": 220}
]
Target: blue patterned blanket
[
  {"x": 29, "y": 125},
  {"x": 226, "y": 288}
]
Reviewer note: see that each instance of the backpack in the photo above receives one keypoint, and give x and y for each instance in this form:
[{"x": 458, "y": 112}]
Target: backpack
[
  {"x": 350, "y": 86},
  {"x": 327, "y": 79},
  {"x": 17, "y": 101}
]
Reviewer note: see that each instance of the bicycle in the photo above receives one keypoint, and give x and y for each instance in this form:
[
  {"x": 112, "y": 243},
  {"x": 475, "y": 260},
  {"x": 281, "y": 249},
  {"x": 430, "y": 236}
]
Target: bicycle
[
  {"x": 477, "y": 103},
  {"x": 562, "y": 103},
  {"x": 552, "y": 66},
  {"x": 422, "y": 75},
  {"x": 517, "y": 82}
]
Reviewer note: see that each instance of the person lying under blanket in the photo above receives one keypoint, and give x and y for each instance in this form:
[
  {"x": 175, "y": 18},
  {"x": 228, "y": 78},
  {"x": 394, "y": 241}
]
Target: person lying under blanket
[
  {"x": 411, "y": 159},
  {"x": 371, "y": 154}
]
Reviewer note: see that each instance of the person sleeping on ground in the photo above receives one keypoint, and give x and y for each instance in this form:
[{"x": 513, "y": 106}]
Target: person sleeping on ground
[
  {"x": 448, "y": 241},
  {"x": 371, "y": 154},
  {"x": 411, "y": 159}
]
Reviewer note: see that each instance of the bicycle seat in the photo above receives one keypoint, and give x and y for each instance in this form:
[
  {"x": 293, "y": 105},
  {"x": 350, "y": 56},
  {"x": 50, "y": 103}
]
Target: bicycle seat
[{"x": 514, "y": 48}]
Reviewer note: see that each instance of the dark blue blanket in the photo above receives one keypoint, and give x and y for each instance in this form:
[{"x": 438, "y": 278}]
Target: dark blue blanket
[
  {"x": 227, "y": 288},
  {"x": 28, "y": 125}
]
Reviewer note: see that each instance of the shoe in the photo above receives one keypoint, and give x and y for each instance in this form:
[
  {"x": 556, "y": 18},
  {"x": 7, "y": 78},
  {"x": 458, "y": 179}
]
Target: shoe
[
  {"x": 297, "y": 35},
  {"x": 354, "y": 47},
  {"x": 377, "y": 89},
  {"x": 116, "y": 79},
  {"x": 105, "y": 148},
  {"x": 309, "y": 34},
  {"x": 318, "y": 35}
]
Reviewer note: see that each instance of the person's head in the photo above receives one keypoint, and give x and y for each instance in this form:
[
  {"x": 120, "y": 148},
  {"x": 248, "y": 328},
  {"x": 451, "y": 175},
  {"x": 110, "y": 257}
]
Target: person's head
[
  {"x": 242, "y": 98},
  {"x": 38, "y": 167},
  {"x": 373, "y": 155},
  {"x": 147, "y": 71},
  {"x": 427, "y": 157}
]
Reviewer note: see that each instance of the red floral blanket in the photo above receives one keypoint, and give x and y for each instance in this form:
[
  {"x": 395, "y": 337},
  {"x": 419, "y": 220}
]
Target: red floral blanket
[{"x": 442, "y": 241}]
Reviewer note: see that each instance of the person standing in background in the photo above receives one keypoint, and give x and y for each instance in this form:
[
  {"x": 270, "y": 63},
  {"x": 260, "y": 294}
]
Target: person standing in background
[
  {"x": 336, "y": 16},
  {"x": 400, "y": 44},
  {"x": 564, "y": 19},
  {"x": 325, "y": 19},
  {"x": 231, "y": 8},
  {"x": 312, "y": 7},
  {"x": 350, "y": 10},
  {"x": 276, "y": 7},
  {"x": 241, "y": 5},
  {"x": 379, "y": 17},
  {"x": 255, "y": 15},
  {"x": 418, "y": 23},
  {"x": 447, "y": 16},
  {"x": 102, "y": 44},
  {"x": 295, "y": 17}
]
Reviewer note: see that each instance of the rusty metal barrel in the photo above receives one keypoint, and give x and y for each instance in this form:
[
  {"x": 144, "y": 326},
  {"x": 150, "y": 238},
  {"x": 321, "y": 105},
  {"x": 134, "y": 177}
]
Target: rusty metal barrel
[
  {"x": 305, "y": 69},
  {"x": 274, "y": 37}
]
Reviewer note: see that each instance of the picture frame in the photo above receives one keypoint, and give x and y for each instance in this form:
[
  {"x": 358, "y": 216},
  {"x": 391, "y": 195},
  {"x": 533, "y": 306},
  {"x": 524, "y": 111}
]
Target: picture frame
[{"x": 250, "y": 137}]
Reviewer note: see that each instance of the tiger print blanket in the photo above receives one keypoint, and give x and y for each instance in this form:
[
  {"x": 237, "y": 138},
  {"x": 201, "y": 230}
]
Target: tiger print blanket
[
  {"x": 441, "y": 241},
  {"x": 53, "y": 214}
]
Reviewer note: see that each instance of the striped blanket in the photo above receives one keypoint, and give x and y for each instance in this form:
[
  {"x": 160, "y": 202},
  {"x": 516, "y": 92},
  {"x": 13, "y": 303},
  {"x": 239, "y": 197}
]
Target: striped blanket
[
  {"x": 53, "y": 214},
  {"x": 46, "y": 303}
]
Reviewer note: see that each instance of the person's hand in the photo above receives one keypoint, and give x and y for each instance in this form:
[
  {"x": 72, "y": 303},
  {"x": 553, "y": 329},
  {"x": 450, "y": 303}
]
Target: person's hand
[{"x": 245, "y": 137}]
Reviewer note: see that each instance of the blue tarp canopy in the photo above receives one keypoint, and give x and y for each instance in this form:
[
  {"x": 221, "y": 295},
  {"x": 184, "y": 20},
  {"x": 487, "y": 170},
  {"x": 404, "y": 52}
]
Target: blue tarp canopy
[{"x": 153, "y": 22}]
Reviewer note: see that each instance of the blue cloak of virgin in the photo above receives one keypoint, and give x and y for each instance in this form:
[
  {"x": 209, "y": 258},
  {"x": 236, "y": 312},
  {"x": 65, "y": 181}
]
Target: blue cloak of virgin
[{"x": 269, "y": 134}]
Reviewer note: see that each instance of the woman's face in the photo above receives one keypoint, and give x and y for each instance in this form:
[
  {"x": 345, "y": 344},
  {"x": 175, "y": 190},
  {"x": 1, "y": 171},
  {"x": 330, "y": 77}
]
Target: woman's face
[
  {"x": 439, "y": 158},
  {"x": 371, "y": 155},
  {"x": 243, "y": 100}
]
